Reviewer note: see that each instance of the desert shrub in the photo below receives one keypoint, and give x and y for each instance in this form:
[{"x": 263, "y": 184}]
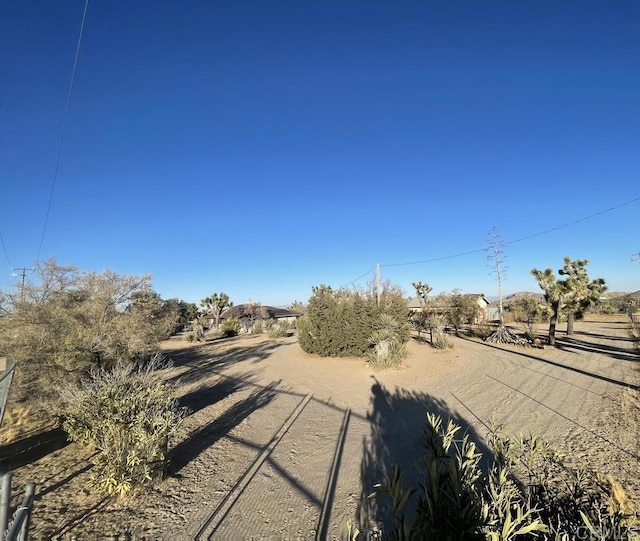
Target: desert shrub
[
  {"x": 190, "y": 337},
  {"x": 73, "y": 320},
  {"x": 259, "y": 327},
  {"x": 440, "y": 340},
  {"x": 605, "y": 307},
  {"x": 277, "y": 330},
  {"x": 213, "y": 334},
  {"x": 459, "y": 309},
  {"x": 418, "y": 320},
  {"x": 63, "y": 321},
  {"x": 230, "y": 327},
  {"x": 198, "y": 327},
  {"x": 389, "y": 347},
  {"x": 127, "y": 414},
  {"x": 436, "y": 325},
  {"x": 340, "y": 323},
  {"x": 529, "y": 490}
]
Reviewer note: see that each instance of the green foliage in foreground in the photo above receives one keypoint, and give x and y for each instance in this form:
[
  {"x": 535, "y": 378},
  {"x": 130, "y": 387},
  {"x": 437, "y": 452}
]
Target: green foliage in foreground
[
  {"x": 127, "y": 415},
  {"x": 347, "y": 323},
  {"x": 529, "y": 493}
]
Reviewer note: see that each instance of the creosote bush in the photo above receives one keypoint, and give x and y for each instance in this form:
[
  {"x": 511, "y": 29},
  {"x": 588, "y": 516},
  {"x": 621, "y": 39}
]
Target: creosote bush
[
  {"x": 342, "y": 323},
  {"x": 126, "y": 413},
  {"x": 62, "y": 321},
  {"x": 529, "y": 492}
]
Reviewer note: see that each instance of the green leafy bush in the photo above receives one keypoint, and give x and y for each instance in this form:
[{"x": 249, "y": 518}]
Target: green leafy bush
[
  {"x": 341, "y": 323},
  {"x": 528, "y": 491},
  {"x": 127, "y": 415},
  {"x": 230, "y": 327}
]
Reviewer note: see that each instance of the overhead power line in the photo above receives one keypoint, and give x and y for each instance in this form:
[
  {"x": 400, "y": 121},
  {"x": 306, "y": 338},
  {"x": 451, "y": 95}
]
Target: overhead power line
[
  {"x": 434, "y": 258},
  {"x": 358, "y": 278},
  {"x": 4, "y": 249},
  {"x": 568, "y": 224},
  {"x": 527, "y": 237},
  {"x": 470, "y": 252},
  {"x": 64, "y": 129}
]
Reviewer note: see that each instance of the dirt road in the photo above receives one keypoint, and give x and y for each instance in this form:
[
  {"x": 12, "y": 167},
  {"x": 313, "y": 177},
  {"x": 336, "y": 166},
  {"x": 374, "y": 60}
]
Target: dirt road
[{"x": 284, "y": 445}]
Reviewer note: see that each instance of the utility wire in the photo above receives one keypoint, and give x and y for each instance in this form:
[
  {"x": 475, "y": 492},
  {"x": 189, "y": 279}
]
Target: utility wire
[
  {"x": 434, "y": 259},
  {"x": 575, "y": 221},
  {"x": 64, "y": 129},
  {"x": 358, "y": 278},
  {"x": 527, "y": 237},
  {"x": 4, "y": 249},
  {"x": 462, "y": 254}
]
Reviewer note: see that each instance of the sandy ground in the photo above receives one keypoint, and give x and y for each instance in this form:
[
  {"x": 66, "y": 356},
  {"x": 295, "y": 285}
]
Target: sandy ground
[{"x": 285, "y": 445}]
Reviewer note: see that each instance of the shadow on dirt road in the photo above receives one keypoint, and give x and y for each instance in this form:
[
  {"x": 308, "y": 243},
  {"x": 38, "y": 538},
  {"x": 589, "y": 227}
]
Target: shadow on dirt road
[{"x": 398, "y": 419}]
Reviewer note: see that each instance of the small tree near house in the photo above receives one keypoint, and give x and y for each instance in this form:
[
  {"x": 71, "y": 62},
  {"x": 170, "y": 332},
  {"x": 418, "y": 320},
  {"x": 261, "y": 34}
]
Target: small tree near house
[
  {"x": 253, "y": 312},
  {"x": 461, "y": 309}
]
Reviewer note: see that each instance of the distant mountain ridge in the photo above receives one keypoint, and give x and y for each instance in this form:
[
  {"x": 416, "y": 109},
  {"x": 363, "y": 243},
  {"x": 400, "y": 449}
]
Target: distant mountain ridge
[
  {"x": 515, "y": 296},
  {"x": 618, "y": 294},
  {"x": 523, "y": 295},
  {"x": 527, "y": 294}
]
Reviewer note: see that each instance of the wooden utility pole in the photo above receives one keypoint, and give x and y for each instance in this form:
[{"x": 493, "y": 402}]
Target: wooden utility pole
[
  {"x": 23, "y": 273},
  {"x": 378, "y": 285},
  {"x": 635, "y": 257}
]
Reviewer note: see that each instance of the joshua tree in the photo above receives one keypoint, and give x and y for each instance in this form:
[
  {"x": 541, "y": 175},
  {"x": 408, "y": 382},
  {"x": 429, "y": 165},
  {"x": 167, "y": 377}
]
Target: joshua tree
[
  {"x": 574, "y": 294},
  {"x": 216, "y": 304}
]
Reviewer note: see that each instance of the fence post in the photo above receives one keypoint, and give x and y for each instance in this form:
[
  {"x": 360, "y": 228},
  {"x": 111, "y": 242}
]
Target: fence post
[
  {"x": 19, "y": 530},
  {"x": 5, "y": 501},
  {"x": 7, "y": 368}
]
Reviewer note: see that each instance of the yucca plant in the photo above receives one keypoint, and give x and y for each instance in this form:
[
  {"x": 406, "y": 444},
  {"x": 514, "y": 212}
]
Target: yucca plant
[{"x": 389, "y": 349}]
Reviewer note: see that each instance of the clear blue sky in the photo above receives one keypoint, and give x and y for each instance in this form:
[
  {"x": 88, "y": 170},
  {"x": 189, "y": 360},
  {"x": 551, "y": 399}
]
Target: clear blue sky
[{"x": 259, "y": 148}]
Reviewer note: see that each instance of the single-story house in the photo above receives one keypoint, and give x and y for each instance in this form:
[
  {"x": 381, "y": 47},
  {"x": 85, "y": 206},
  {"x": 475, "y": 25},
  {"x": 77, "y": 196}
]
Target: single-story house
[{"x": 257, "y": 312}]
